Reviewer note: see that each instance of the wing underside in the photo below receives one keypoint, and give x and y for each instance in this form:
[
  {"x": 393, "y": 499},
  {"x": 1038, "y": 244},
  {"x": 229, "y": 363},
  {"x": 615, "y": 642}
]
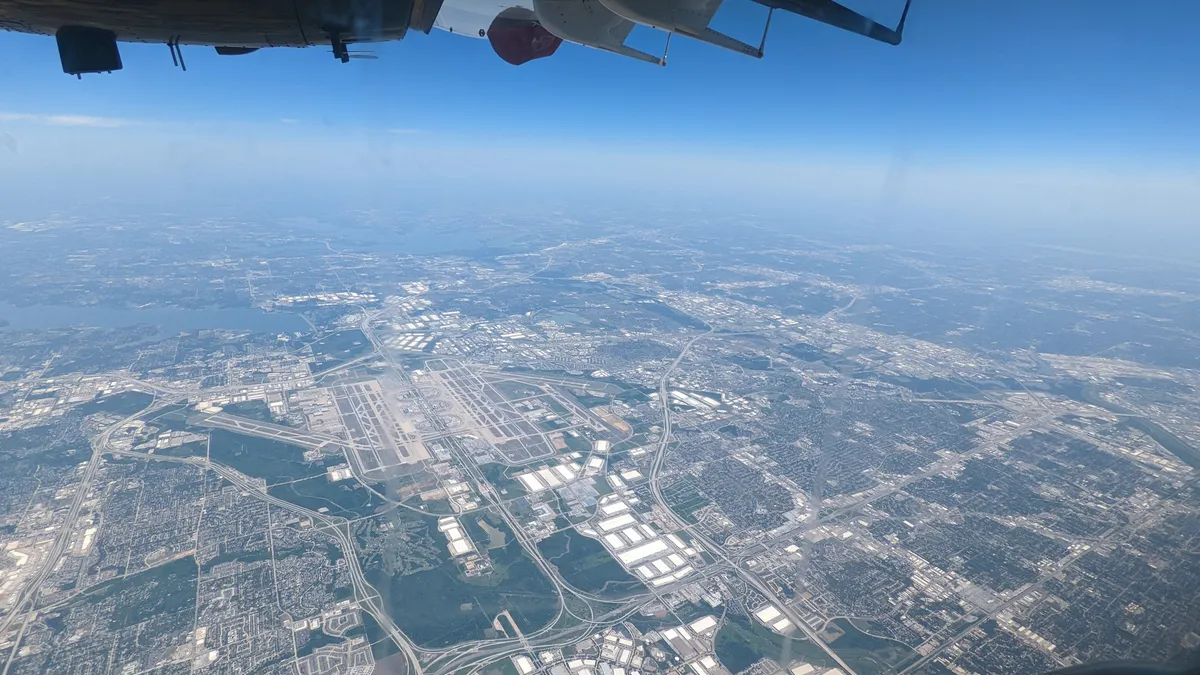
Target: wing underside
[{"x": 839, "y": 16}]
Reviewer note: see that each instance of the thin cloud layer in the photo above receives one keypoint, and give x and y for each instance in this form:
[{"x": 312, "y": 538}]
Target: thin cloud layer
[
  {"x": 172, "y": 164},
  {"x": 65, "y": 120}
]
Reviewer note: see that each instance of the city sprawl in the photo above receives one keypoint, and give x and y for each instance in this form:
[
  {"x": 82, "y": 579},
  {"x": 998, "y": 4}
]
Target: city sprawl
[{"x": 436, "y": 444}]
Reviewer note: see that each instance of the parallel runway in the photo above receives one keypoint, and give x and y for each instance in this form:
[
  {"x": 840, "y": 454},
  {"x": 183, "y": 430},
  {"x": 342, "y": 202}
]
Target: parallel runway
[{"x": 381, "y": 440}]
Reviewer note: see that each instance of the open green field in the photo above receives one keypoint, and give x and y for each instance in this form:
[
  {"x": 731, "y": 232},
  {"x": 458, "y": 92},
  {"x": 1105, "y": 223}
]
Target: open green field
[
  {"x": 338, "y": 348},
  {"x": 253, "y": 410},
  {"x": 742, "y": 641},
  {"x": 164, "y": 589},
  {"x": 585, "y": 564},
  {"x": 348, "y": 498},
  {"x": 125, "y": 403},
  {"x": 684, "y": 499},
  {"x": 865, "y": 653},
  {"x": 441, "y": 606},
  {"x": 273, "y": 461}
]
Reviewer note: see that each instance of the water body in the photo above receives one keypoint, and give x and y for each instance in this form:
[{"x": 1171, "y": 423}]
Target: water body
[
  {"x": 564, "y": 318},
  {"x": 168, "y": 320},
  {"x": 469, "y": 241}
]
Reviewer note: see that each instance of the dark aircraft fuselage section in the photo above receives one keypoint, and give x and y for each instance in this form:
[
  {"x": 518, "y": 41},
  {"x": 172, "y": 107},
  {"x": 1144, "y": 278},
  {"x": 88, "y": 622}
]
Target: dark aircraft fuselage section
[{"x": 232, "y": 23}]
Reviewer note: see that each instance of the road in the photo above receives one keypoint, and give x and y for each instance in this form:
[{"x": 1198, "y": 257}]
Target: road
[
  {"x": 1054, "y": 572},
  {"x": 475, "y": 655},
  {"x": 194, "y": 392},
  {"x": 270, "y": 431},
  {"x": 68, "y": 525},
  {"x": 489, "y": 495},
  {"x": 368, "y": 598},
  {"x": 746, "y": 575},
  {"x": 938, "y": 467},
  {"x": 455, "y": 659}
]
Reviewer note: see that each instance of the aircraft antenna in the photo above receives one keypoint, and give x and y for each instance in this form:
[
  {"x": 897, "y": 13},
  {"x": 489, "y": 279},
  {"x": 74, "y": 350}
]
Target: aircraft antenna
[
  {"x": 176, "y": 52},
  {"x": 666, "y": 48},
  {"x": 340, "y": 51},
  {"x": 763, "y": 44},
  {"x": 903, "y": 16}
]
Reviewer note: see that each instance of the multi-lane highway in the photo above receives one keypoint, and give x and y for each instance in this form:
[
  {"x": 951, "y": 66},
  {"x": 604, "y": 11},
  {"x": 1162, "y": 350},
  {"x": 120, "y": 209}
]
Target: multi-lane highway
[
  {"x": 578, "y": 613},
  {"x": 366, "y": 596},
  {"x": 67, "y": 528},
  {"x": 752, "y": 580},
  {"x": 579, "y": 608}
]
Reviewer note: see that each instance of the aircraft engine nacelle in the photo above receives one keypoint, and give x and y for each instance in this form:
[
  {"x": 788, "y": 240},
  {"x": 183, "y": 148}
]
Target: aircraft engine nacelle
[
  {"x": 517, "y": 37},
  {"x": 687, "y": 16},
  {"x": 589, "y": 22}
]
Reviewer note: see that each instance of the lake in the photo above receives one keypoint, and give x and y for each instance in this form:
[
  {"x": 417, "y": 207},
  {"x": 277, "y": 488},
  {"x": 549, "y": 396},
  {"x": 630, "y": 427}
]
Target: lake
[{"x": 168, "y": 320}]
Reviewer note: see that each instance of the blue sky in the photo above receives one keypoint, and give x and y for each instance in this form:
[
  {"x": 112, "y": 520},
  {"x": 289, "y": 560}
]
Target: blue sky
[{"x": 1051, "y": 105}]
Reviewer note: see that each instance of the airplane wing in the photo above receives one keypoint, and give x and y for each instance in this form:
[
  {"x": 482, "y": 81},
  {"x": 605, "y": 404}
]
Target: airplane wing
[
  {"x": 685, "y": 17},
  {"x": 840, "y": 16},
  {"x": 87, "y": 31}
]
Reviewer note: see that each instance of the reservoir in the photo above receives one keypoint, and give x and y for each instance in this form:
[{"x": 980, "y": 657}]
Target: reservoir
[{"x": 168, "y": 320}]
